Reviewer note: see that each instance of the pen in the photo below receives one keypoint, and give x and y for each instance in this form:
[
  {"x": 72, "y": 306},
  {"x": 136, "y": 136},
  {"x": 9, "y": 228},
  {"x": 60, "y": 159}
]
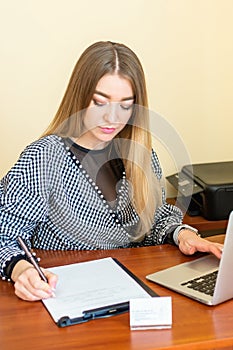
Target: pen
[{"x": 31, "y": 258}]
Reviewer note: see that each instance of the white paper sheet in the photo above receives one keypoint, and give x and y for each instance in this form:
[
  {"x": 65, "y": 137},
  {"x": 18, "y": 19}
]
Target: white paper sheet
[{"x": 90, "y": 285}]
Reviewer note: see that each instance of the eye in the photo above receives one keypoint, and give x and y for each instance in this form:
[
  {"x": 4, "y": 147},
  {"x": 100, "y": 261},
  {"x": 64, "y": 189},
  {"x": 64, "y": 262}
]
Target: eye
[
  {"x": 126, "y": 107},
  {"x": 99, "y": 103}
]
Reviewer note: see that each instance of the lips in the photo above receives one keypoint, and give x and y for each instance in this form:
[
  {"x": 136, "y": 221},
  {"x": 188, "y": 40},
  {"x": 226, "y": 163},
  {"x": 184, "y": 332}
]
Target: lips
[{"x": 107, "y": 130}]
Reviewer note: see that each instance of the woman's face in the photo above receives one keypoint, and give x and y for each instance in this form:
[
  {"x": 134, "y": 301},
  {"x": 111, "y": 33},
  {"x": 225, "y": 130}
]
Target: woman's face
[{"x": 108, "y": 112}]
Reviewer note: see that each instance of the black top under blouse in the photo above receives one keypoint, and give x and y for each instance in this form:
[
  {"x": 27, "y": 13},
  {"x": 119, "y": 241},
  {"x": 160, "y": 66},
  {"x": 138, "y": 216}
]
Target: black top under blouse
[{"x": 104, "y": 167}]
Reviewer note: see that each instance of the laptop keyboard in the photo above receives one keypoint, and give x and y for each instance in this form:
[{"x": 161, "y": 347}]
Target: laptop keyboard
[{"x": 204, "y": 284}]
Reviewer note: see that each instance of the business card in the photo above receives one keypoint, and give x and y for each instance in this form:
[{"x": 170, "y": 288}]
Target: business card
[{"x": 150, "y": 313}]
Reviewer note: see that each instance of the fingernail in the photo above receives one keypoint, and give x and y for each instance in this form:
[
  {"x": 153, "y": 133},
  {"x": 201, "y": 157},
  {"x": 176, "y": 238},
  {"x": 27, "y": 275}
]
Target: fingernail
[{"x": 53, "y": 292}]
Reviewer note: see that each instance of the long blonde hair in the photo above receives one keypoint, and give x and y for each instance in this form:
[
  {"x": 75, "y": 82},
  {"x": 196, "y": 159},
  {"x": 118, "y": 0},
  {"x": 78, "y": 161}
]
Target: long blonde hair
[{"x": 102, "y": 58}]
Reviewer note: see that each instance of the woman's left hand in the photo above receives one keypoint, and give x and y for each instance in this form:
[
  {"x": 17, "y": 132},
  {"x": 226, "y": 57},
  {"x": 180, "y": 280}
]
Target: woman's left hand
[{"x": 190, "y": 243}]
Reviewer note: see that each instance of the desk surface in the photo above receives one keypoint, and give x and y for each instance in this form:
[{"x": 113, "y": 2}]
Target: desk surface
[{"x": 26, "y": 325}]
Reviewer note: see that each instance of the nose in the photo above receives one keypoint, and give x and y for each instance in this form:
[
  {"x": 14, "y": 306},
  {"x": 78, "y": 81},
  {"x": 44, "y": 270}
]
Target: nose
[{"x": 111, "y": 115}]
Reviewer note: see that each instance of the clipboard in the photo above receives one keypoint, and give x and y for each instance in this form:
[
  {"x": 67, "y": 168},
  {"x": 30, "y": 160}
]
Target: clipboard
[{"x": 92, "y": 290}]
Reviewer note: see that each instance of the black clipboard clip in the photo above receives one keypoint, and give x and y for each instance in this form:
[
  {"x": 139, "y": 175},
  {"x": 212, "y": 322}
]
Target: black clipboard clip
[{"x": 93, "y": 314}]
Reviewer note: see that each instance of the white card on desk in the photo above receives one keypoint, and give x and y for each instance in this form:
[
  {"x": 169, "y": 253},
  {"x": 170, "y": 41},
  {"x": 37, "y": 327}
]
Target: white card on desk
[{"x": 150, "y": 313}]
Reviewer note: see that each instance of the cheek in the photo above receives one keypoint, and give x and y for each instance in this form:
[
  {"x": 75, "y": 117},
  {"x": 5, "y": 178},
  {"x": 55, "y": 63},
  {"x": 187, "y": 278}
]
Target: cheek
[
  {"x": 123, "y": 124},
  {"x": 92, "y": 117},
  {"x": 125, "y": 118}
]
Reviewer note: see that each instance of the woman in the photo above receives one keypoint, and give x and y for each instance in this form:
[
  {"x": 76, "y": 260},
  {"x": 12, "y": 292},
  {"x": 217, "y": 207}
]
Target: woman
[{"x": 92, "y": 181}]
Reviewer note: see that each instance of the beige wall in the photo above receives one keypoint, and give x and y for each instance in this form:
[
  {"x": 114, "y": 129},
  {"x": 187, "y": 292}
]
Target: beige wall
[{"x": 185, "y": 46}]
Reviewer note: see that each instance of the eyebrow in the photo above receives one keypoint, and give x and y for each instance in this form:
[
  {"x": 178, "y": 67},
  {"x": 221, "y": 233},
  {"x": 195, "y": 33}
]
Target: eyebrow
[{"x": 108, "y": 96}]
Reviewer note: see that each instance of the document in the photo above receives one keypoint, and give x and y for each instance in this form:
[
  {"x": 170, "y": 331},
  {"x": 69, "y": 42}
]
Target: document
[{"x": 94, "y": 285}]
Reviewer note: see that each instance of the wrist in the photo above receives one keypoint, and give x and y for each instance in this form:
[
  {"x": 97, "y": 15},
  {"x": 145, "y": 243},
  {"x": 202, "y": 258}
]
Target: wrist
[
  {"x": 179, "y": 229},
  {"x": 19, "y": 268}
]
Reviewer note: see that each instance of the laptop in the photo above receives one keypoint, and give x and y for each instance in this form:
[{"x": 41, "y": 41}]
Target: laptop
[{"x": 206, "y": 279}]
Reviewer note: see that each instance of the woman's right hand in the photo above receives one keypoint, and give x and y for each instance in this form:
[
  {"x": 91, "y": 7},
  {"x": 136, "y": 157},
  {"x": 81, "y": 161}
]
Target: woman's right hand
[{"x": 28, "y": 284}]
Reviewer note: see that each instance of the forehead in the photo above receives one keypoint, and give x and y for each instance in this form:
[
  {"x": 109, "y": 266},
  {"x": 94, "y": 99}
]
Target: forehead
[{"x": 115, "y": 86}]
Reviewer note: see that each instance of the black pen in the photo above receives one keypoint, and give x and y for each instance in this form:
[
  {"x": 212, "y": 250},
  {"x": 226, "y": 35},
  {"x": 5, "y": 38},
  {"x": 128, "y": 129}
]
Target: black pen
[{"x": 31, "y": 258}]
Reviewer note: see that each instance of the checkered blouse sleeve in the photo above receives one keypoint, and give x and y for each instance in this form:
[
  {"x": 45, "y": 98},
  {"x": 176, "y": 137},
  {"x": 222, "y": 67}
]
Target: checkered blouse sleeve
[{"x": 23, "y": 202}]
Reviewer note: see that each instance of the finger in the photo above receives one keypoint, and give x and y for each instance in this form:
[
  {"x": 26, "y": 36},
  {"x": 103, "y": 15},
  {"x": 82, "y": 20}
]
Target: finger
[
  {"x": 30, "y": 294},
  {"x": 35, "y": 280},
  {"x": 29, "y": 286},
  {"x": 52, "y": 278},
  {"x": 205, "y": 246},
  {"x": 40, "y": 288},
  {"x": 191, "y": 250},
  {"x": 216, "y": 250},
  {"x": 24, "y": 293},
  {"x": 210, "y": 247},
  {"x": 187, "y": 248}
]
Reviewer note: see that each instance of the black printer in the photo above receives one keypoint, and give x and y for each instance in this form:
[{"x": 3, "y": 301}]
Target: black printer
[{"x": 205, "y": 189}]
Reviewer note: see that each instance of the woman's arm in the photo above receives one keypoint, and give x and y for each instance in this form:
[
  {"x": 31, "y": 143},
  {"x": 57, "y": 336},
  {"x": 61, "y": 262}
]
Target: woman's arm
[
  {"x": 168, "y": 226},
  {"x": 23, "y": 204}
]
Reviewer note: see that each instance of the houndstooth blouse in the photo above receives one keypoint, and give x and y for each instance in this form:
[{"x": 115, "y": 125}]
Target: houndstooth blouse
[{"x": 50, "y": 199}]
